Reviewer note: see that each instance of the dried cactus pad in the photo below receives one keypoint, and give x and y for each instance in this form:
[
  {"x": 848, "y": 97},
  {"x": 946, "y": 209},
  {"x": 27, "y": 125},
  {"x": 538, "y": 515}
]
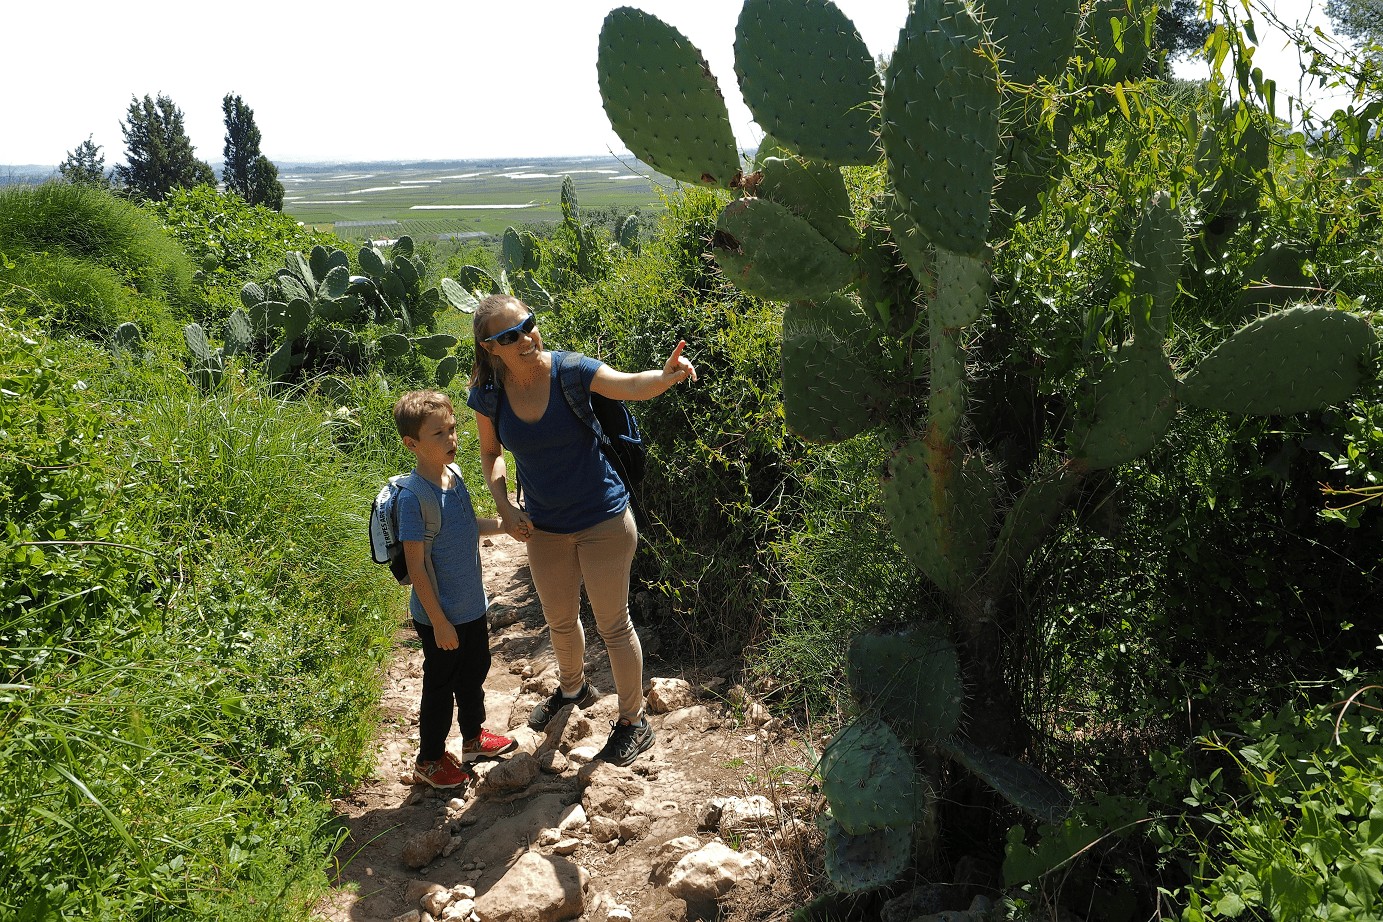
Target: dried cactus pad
[
  {"x": 663, "y": 101},
  {"x": 766, "y": 250},
  {"x": 1298, "y": 359},
  {"x": 940, "y": 123},
  {"x": 808, "y": 78},
  {"x": 869, "y": 779}
]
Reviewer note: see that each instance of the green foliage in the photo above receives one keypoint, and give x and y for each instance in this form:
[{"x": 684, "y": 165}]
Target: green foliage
[
  {"x": 1287, "y": 824},
  {"x": 159, "y": 153},
  {"x": 232, "y": 241},
  {"x": 188, "y": 642},
  {"x": 87, "y": 223},
  {"x": 76, "y": 297}
]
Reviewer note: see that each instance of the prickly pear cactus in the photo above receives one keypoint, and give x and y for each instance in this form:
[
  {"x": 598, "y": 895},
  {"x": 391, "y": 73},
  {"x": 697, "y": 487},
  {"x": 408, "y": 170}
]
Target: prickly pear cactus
[{"x": 969, "y": 123}]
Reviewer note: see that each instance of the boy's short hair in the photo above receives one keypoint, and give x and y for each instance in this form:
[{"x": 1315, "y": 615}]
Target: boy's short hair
[{"x": 415, "y": 406}]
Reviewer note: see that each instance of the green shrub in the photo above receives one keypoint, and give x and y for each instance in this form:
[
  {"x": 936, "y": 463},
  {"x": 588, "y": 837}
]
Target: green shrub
[
  {"x": 1284, "y": 818},
  {"x": 85, "y": 222},
  {"x": 232, "y": 242},
  {"x": 190, "y": 636}
]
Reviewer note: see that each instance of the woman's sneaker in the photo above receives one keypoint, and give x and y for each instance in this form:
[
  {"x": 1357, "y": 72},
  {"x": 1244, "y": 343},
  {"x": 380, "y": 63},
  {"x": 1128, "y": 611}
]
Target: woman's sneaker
[
  {"x": 626, "y": 741},
  {"x": 546, "y": 710},
  {"x": 485, "y": 745},
  {"x": 442, "y": 774}
]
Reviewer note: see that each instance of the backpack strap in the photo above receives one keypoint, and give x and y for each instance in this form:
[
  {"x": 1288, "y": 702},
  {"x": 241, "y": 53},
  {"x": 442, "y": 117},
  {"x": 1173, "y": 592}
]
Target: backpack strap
[
  {"x": 418, "y": 485},
  {"x": 578, "y": 395}
]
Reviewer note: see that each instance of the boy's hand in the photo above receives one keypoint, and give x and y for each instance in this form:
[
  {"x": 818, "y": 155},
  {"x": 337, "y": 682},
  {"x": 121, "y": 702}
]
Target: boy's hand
[{"x": 445, "y": 635}]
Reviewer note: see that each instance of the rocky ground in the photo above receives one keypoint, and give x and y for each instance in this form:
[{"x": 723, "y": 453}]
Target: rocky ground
[{"x": 715, "y": 821}]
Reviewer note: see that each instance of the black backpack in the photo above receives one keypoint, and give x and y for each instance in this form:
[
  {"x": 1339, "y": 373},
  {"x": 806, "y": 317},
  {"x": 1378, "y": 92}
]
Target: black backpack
[{"x": 614, "y": 426}]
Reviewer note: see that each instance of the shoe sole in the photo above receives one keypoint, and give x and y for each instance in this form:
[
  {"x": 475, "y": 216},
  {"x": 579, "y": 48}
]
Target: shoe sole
[
  {"x": 419, "y": 779},
  {"x": 472, "y": 756}
]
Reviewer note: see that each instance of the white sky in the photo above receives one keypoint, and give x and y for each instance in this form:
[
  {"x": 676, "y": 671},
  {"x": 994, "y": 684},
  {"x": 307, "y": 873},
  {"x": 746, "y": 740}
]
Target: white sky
[{"x": 349, "y": 80}]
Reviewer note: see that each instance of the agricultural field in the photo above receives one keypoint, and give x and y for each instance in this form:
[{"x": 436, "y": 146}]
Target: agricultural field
[{"x": 457, "y": 200}]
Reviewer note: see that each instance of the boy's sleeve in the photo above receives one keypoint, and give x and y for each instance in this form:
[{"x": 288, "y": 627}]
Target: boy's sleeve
[{"x": 411, "y": 526}]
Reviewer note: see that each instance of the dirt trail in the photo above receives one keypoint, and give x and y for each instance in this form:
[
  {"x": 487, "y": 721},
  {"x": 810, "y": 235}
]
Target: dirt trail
[{"x": 723, "y": 746}]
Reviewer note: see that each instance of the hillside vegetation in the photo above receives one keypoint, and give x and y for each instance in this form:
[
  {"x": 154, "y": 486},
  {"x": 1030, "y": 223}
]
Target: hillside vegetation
[{"x": 196, "y": 414}]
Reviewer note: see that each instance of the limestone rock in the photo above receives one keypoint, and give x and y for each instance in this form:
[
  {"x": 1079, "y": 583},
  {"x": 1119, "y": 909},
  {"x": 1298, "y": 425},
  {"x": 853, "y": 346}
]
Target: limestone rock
[
  {"x": 513, "y": 774},
  {"x": 667, "y": 855},
  {"x": 537, "y": 888},
  {"x": 747, "y": 814},
  {"x": 422, "y": 849},
  {"x": 697, "y": 718},
  {"x": 705, "y": 875},
  {"x": 664, "y": 695}
]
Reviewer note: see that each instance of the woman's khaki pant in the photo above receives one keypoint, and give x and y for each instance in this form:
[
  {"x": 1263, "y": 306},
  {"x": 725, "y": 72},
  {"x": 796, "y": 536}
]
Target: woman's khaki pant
[{"x": 601, "y": 556}]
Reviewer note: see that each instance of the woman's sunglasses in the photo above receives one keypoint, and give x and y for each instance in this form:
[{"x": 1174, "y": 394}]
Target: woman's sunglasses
[{"x": 511, "y": 335}]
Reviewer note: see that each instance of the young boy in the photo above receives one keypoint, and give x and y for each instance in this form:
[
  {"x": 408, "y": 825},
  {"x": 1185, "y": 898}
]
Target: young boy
[{"x": 448, "y": 601}]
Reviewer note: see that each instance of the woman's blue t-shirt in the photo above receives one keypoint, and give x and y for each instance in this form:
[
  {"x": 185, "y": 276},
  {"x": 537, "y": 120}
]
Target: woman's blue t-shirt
[
  {"x": 455, "y": 552},
  {"x": 568, "y": 485}
]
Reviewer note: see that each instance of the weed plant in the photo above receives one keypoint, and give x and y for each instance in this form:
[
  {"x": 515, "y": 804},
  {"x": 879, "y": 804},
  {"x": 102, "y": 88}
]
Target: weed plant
[
  {"x": 85, "y": 222},
  {"x": 190, "y": 632}
]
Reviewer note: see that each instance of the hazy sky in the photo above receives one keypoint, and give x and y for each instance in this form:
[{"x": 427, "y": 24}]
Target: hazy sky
[{"x": 347, "y": 80}]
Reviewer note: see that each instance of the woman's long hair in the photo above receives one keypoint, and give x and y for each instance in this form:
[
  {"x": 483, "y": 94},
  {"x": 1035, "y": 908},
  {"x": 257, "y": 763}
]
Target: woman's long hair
[{"x": 487, "y": 367}]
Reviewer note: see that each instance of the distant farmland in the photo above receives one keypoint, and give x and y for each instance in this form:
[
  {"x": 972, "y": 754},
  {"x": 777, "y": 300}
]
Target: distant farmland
[{"x": 461, "y": 199}]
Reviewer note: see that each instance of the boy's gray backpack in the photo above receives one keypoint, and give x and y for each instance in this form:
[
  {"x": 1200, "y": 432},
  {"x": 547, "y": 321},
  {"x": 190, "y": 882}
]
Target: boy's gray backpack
[{"x": 385, "y": 545}]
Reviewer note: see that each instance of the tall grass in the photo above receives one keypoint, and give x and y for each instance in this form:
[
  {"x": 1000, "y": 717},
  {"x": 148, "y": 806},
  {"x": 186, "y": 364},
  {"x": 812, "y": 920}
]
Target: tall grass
[
  {"x": 190, "y": 630},
  {"x": 74, "y": 296},
  {"x": 83, "y": 222}
]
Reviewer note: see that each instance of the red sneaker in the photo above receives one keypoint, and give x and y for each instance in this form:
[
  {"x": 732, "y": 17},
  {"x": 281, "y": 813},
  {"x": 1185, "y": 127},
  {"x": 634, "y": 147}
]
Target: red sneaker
[
  {"x": 486, "y": 744},
  {"x": 442, "y": 774}
]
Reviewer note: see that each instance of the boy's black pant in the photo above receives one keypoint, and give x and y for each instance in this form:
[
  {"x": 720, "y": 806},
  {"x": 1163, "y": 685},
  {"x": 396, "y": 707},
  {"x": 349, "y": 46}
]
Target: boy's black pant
[{"x": 452, "y": 679}]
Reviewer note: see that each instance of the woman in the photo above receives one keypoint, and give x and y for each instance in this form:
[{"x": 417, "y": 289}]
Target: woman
[{"x": 576, "y": 518}]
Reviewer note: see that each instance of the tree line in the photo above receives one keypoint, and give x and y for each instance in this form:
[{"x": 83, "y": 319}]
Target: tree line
[{"x": 160, "y": 156}]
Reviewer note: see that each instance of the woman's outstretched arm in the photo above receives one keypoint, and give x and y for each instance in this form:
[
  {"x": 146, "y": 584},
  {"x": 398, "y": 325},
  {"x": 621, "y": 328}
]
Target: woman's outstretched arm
[{"x": 644, "y": 385}]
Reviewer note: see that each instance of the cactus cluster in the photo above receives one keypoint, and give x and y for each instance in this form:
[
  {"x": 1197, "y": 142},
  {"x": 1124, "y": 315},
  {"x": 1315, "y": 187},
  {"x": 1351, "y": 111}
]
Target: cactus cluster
[
  {"x": 970, "y": 121},
  {"x": 314, "y": 315}
]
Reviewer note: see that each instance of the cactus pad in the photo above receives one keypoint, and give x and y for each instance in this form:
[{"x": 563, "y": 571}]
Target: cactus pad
[
  {"x": 1037, "y": 38},
  {"x": 1028, "y": 789},
  {"x": 1156, "y": 250},
  {"x": 435, "y": 346},
  {"x": 808, "y": 77},
  {"x": 940, "y": 123},
  {"x": 869, "y": 779},
  {"x": 814, "y": 192},
  {"x": 1302, "y": 358},
  {"x": 829, "y": 392},
  {"x": 911, "y": 679},
  {"x": 962, "y": 289},
  {"x": 865, "y": 862},
  {"x": 128, "y": 335},
  {"x": 1125, "y": 412},
  {"x": 393, "y": 345},
  {"x": 663, "y": 101},
  {"x": 1117, "y": 31},
  {"x": 766, "y": 250},
  {"x": 940, "y": 516}
]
